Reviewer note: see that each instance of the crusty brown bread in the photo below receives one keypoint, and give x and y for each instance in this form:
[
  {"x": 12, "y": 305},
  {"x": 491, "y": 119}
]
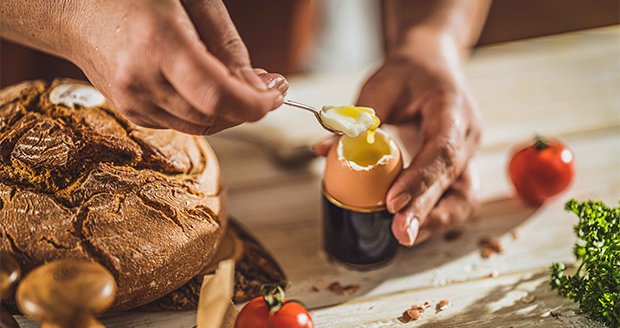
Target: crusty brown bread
[
  {"x": 256, "y": 272},
  {"x": 78, "y": 180}
]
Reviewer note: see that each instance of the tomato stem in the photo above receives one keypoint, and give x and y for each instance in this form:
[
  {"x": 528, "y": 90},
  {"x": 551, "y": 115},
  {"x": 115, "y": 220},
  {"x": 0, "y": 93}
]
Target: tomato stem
[
  {"x": 274, "y": 299},
  {"x": 540, "y": 142}
]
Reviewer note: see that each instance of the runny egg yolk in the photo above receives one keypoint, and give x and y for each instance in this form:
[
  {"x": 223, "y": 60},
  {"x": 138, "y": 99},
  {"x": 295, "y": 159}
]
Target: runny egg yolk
[
  {"x": 359, "y": 151},
  {"x": 352, "y": 120}
]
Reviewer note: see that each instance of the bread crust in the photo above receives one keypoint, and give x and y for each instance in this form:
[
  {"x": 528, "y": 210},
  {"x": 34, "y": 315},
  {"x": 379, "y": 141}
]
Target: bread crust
[{"x": 86, "y": 183}]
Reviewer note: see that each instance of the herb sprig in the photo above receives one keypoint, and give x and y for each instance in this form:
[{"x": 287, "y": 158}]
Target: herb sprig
[{"x": 596, "y": 283}]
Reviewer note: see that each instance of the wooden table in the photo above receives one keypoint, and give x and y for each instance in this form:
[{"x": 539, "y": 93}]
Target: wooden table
[{"x": 566, "y": 86}]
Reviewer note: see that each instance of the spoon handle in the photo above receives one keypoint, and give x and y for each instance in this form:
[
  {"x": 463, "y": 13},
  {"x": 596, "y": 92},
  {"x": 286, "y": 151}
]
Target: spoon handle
[
  {"x": 313, "y": 111},
  {"x": 301, "y": 106}
]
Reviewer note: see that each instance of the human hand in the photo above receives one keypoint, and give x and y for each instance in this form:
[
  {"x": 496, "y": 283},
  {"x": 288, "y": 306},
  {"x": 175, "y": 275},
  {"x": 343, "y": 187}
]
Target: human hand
[
  {"x": 421, "y": 86},
  {"x": 171, "y": 64}
]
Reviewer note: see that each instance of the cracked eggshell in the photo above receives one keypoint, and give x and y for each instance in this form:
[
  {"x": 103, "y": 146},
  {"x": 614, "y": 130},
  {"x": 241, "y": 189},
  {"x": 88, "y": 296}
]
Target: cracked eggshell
[{"x": 357, "y": 185}]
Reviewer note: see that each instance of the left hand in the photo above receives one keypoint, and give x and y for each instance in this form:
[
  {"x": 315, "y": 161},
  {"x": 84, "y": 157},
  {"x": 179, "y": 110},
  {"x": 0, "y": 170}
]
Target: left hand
[{"x": 421, "y": 85}]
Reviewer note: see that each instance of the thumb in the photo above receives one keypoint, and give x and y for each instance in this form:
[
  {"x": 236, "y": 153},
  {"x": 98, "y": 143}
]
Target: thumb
[
  {"x": 219, "y": 34},
  {"x": 381, "y": 92}
]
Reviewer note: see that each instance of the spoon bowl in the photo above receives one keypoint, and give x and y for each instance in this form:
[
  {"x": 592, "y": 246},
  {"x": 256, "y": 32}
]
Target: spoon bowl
[{"x": 316, "y": 112}]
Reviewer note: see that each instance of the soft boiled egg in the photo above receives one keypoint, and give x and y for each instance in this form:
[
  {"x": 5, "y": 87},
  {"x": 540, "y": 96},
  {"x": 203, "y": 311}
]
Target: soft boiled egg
[
  {"x": 351, "y": 120},
  {"x": 358, "y": 174}
]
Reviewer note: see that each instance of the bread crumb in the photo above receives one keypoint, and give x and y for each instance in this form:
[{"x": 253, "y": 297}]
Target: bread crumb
[
  {"x": 486, "y": 252},
  {"x": 491, "y": 274},
  {"x": 514, "y": 234},
  {"x": 528, "y": 299},
  {"x": 411, "y": 315},
  {"x": 414, "y": 312},
  {"x": 492, "y": 243},
  {"x": 442, "y": 305},
  {"x": 337, "y": 288},
  {"x": 490, "y": 246}
]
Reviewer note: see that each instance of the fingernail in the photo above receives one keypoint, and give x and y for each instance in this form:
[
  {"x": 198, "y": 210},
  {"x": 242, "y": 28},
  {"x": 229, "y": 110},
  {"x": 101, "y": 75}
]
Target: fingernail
[
  {"x": 275, "y": 81},
  {"x": 412, "y": 228},
  {"x": 253, "y": 79},
  {"x": 399, "y": 202}
]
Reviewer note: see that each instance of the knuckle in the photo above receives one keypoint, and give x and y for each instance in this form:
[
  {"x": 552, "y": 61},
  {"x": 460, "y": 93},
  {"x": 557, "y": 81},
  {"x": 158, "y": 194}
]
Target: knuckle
[
  {"x": 233, "y": 48},
  {"x": 424, "y": 179},
  {"x": 445, "y": 95},
  {"x": 125, "y": 80},
  {"x": 147, "y": 30},
  {"x": 448, "y": 153}
]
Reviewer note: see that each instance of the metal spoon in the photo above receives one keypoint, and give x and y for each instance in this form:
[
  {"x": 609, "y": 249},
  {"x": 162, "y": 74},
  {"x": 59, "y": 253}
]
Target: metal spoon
[{"x": 316, "y": 112}]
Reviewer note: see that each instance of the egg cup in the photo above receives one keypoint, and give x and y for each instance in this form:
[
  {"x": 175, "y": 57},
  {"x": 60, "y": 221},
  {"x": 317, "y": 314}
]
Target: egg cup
[{"x": 361, "y": 238}]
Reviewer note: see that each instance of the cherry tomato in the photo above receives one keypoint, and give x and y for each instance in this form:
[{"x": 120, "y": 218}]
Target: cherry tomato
[
  {"x": 541, "y": 170},
  {"x": 258, "y": 313}
]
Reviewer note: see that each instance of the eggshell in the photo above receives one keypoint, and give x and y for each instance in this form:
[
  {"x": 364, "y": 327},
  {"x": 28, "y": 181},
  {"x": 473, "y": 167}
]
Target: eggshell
[{"x": 359, "y": 187}]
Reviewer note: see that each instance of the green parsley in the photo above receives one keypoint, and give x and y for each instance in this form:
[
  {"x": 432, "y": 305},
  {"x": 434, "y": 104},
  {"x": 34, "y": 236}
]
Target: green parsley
[{"x": 596, "y": 283}]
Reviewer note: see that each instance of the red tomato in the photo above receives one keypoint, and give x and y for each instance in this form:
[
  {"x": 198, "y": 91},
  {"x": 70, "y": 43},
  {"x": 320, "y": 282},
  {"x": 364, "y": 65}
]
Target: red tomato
[
  {"x": 541, "y": 170},
  {"x": 256, "y": 314}
]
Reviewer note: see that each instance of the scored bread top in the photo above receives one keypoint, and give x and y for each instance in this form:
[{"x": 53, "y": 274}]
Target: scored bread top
[{"x": 79, "y": 180}]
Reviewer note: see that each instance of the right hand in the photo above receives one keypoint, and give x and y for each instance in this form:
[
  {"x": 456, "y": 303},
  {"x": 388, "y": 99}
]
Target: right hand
[{"x": 167, "y": 64}]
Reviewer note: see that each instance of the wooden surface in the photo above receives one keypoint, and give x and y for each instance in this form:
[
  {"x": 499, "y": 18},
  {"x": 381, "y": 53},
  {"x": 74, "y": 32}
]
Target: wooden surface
[{"x": 566, "y": 86}]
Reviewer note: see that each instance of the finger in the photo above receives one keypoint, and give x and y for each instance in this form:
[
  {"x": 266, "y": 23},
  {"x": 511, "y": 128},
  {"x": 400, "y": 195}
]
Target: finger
[
  {"x": 322, "y": 147},
  {"x": 381, "y": 91},
  {"x": 419, "y": 187},
  {"x": 141, "y": 120},
  {"x": 438, "y": 163},
  {"x": 405, "y": 228},
  {"x": 407, "y": 222},
  {"x": 205, "y": 84},
  {"x": 168, "y": 99},
  {"x": 217, "y": 31},
  {"x": 157, "y": 118},
  {"x": 456, "y": 206}
]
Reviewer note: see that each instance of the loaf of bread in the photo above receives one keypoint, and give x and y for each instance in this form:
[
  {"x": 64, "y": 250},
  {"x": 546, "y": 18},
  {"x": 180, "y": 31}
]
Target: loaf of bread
[
  {"x": 78, "y": 180},
  {"x": 256, "y": 272}
]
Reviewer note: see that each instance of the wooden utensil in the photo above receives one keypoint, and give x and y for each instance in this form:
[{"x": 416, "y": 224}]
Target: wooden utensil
[
  {"x": 67, "y": 293},
  {"x": 9, "y": 275}
]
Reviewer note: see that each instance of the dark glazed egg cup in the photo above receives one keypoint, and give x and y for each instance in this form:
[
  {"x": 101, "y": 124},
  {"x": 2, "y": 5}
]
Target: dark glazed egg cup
[{"x": 360, "y": 238}]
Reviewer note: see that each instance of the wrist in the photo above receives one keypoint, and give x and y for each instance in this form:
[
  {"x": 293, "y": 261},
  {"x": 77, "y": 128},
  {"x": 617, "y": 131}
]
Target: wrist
[
  {"x": 433, "y": 51},
  {"x": 437, "y": 37},
  {"x": 42, "y": 25}
]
